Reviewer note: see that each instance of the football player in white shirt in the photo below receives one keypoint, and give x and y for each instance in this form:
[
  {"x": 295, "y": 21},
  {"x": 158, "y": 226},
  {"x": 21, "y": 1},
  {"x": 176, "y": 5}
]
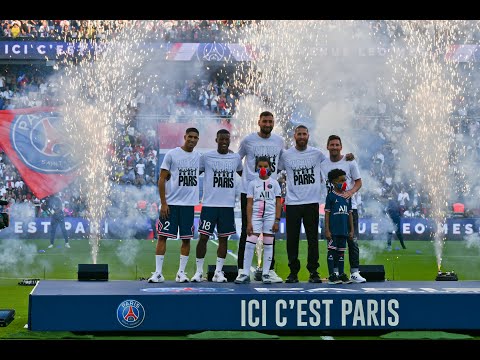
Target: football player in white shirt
[
  {"x": 261, "y": 143},
  {"x": 179, "y": 193},
  {"x": 218, "y": 203}
]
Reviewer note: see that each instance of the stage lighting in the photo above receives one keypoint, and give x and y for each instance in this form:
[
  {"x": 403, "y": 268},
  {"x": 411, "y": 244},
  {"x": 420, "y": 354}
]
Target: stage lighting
[
  {"x": 93, "y": 272},
  {"x": 6, "y": 316},
  {"x": 446, "y": 276}
]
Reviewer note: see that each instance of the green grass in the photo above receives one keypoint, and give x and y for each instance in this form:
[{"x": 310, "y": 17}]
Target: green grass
[{"x": 132, "y": 259}]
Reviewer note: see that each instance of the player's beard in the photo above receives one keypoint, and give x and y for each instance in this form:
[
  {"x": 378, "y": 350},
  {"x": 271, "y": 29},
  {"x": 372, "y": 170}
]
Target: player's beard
[{"x": 266, "y": 130}]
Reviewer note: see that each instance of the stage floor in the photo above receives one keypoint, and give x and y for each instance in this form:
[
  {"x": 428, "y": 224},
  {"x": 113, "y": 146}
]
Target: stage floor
[{"x": 72, "y": 305}]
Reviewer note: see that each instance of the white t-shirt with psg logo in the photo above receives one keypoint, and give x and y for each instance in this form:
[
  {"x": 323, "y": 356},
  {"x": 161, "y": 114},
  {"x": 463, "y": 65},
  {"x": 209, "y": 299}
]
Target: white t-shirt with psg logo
[
  {"x": 264, "y": 194},
  {"x": 252, "y": 147},
  {"x": 350, "y": 168},
  {"x": 304, "y": 178},
  {"x": 219, "y": 180},
  {"x": 182, "y": 187}
]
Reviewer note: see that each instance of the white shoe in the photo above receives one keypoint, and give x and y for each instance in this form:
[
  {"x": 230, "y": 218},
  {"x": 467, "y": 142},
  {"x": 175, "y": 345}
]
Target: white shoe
[
  {"x": 181, "y": 277},
  {"x": 198, "y": 277},
  {"x": 357, "y": 278},
  {"x": 266, "y": 279},
  {"x": 219, "y": 276},
  {"x": 274, "y": 278},
  {"x": 50, "y": 246},
  {"x": 156, "y": 278},
  {"x": 67, "y": 245},
  {"x": 242, "y": 279}
]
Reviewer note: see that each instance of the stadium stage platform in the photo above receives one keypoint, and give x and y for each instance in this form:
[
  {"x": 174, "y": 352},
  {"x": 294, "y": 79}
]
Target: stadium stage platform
[{"x": 118, "y": 305}]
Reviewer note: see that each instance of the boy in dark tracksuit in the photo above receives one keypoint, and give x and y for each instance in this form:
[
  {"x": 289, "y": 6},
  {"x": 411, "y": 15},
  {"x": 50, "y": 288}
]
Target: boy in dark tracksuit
[{"x": 338, "y": 227}]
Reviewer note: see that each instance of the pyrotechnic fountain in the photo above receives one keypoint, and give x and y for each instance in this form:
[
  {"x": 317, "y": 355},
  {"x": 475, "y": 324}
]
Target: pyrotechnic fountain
[
  {"x": 96, "y": 92},
  {"x": 431, "y": 83}
]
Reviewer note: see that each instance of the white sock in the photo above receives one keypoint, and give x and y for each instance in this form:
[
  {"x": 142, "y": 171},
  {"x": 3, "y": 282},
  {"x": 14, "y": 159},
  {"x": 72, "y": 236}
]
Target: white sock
[
  {"x": 248, "y": 257},
  {"x": 200, "y": 265},
  {"x": 219, "y": 265},
  {"x": 159, "y": 263},
  {"x": 183, "y": 263},
  {"x": 353, "y": 270},
  {"x": 267, "y": 258}
]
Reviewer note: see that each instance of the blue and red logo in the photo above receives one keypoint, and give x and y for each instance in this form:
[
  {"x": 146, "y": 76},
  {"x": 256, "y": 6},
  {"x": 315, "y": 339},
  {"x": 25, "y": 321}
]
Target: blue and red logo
[
  {"x": 41, "y": 144},
  {"x": 130, "y": 313}
]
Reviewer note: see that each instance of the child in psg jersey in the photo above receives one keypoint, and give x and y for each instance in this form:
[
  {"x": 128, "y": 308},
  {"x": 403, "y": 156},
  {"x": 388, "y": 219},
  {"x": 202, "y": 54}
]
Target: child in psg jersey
[
  {"x": 338, "y": 226},
  {"x": 263, "y": 216}
]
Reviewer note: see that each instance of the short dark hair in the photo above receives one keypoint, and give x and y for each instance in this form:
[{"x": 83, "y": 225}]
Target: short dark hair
[
  {"x": 335, "y": 173},
  {"x": 192, "y": 129},
  {"x": 301, "y": 127},
  {"x": 223, "y": 131},
  {"x": 334, "y": 137},
  {"x": 263, "y": 158},
  {"x": 266, "y": 113}
]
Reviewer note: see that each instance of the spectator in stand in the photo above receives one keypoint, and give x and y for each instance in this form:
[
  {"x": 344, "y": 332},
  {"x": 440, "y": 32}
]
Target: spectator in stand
[{"x": 403, "y": 199}]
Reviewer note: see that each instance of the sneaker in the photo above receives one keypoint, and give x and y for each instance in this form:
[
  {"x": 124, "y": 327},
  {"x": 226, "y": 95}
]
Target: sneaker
[
  {"x": 266, "y": 279},
  {"x": 333, "y": 279},
  {"x": 357, "y": 278},
  {"x": 292, "y": 278},
  {"x": 50, "y": 246},
  {"x": 67, "y": 245},
  {"x": 156, "y": 278},
  {"x": 314, "y": 278},
  {"x": 242, "y": 279},
  {"x": 219, "y": 276},
  {"x": 274, "y": 278},
  {"x": 198, "y": 277},
  {"x": 344, "y": 279},
  {"x": 181, "y": 277},
  {"x": 258, "y": 274}
]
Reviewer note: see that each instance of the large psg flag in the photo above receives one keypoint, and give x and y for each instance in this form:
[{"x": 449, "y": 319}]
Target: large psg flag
[{"x": 34, "y": 141}]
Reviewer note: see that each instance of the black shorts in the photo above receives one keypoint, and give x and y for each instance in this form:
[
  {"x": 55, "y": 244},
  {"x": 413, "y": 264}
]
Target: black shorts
[
  {"x": 221, "y": 217},
  {"x": 181, "y": 217}
]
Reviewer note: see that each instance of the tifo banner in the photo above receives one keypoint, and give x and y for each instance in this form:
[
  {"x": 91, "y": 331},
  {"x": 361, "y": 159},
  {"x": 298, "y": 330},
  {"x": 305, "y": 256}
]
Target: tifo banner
[
  {"x": 210, "y": 52},
  {"x": 34, "y": 142},
  {"x": 463, "y": 53},
  {"x": 171, "y": 134}
]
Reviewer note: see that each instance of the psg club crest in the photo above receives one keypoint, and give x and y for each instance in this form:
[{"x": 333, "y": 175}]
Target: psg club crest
[
  {"x": 41, "y": 144},
  {"x": 130, "y": 313}
]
